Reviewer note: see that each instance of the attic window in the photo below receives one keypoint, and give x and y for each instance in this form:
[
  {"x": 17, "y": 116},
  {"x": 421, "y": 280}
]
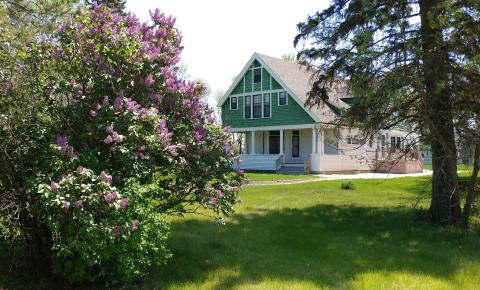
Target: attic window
[
  {"x": 233, "y": 103},
  {"x": 282, "y": 98},
  {"x": 257, "y": 75}
]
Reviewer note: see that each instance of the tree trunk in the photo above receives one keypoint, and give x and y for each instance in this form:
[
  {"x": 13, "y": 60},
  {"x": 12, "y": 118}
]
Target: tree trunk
[
  {"x": 38, "y": 246},
  {"x": 445, "y": 204},
  {"x": 471, "y": 193}
]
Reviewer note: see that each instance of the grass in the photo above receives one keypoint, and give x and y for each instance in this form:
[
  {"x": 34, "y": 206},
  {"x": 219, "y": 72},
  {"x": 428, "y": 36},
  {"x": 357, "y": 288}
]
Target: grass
[
  {"x": 315, "y": 235},
  {"x": 460, "y": 167},
  {"x": 265, "y": 176}
]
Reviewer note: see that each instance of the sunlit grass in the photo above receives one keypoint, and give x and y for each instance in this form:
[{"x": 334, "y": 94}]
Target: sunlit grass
[{"x": 315, "y": 235}]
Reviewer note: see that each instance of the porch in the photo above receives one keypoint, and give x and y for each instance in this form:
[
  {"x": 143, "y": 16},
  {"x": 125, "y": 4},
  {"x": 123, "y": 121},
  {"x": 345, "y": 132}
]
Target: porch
[
  {"x": 276, "y": 147},
  {"x": 299, "y": 148}
]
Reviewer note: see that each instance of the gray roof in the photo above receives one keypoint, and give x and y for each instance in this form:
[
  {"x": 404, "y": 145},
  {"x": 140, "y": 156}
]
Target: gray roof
[{"x": 299, "y": 81}]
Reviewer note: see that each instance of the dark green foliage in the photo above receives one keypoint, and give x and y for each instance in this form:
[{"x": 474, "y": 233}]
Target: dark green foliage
[{"x": 347, "y": 185}]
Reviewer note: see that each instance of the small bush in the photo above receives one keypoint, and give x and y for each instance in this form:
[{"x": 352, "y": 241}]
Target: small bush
[{"x": 347, "y": 185}]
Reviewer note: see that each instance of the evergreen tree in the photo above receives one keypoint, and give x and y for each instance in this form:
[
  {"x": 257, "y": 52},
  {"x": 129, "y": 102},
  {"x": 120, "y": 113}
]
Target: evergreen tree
[{"x": 405, "y": 61}]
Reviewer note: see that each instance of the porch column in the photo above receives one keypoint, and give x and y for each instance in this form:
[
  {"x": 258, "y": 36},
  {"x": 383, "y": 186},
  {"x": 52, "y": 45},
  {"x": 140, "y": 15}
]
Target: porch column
[
  {"x": 314, "y": 140},
  {"x": 321, "y": 141},
  {"x": 252, "y": 150},
  {"x": 281, "y": 141}
]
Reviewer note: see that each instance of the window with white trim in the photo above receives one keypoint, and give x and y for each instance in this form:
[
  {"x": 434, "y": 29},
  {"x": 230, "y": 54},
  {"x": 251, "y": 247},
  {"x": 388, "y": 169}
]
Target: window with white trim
[
  {"x": 266, "y": 105},
  {"x": 282, "y": 98},
  {"x": 248, "y": 107},
  {"x": 257, "y": 75},
  {"x": 233, "y": 103},
  {"x": 353, "y": 140},
  {"x": 257, "y": 106}
]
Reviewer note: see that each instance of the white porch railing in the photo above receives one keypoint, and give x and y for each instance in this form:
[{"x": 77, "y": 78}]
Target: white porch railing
[{"x": 261, "y": 161}]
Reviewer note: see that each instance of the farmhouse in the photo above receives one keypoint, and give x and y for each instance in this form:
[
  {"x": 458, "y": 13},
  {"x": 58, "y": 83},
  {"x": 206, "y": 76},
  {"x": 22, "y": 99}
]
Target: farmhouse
[{"x": 276, "y": 132}]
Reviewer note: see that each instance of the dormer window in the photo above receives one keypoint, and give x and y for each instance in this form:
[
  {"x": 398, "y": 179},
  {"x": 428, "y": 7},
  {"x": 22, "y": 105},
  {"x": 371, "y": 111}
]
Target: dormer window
[{"x": 257, "y": 75}]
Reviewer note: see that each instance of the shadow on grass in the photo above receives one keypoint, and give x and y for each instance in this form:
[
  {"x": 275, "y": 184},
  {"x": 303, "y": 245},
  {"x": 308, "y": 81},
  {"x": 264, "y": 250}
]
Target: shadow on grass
[{"x": 326, "y": 245}]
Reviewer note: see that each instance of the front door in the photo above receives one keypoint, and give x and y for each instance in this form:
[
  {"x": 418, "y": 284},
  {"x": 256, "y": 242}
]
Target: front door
[
  {"x": 274, "y": 142},
  {"x": 295, "y": 143}
]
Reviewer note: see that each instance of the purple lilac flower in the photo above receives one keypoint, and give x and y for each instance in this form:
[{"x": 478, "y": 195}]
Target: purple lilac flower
[
  {"x": 71, "y": 152},
  {"x": 218, "y": 194},
  {"x": 93, "y": 113},
  {"x": 134, "y": 225},
  {"x": 172, "y": 149},
  {"x": 53, "y": 186},
  {"x": 227, "y": 129},
  {"x": 109, "y": 128},
  {"x": 108, "y": 139},
  {"x": 81, "y": 169},
  {"x": 155, "y": 97},
  {"x": 149, "y": 81},
  {"x": 124, "y": 203},
  {"x": 213, "y": 201},
  {"x": 156, "y": 15},
  {"x": 238, "y": 160},
  {"x": 105, "y": 177},
  {"x": 198, "y": 136},
  {"x": 116, "y": 231},
  {"x": 118, "y": 103},
  {"x": 62, "y": 140},
  {"x": 239, "y": 171},
  {"x": 79, "y": 203},
  {"x": 228, "y": 149},
  {"x": 66, "y": 205},
  {"x": 117, "y": 137},
  {"x": 211, "y": 117},
  {"x": 111, "y": 196},
  {"x": 105, "y": 101}
]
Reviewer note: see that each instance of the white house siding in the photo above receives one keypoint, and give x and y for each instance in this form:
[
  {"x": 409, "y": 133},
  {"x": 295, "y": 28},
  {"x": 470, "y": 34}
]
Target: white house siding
[{"x": 330, "y": 141}]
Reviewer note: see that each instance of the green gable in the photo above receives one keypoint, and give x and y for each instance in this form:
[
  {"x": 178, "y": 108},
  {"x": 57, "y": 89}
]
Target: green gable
[{"x": 290, "y": 114}]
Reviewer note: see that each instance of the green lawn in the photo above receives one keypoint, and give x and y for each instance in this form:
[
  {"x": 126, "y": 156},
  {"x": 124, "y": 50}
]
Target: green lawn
[
  {"x": 460, "y": 167},
  {"x": 314, "y": 235},
  {"x": 261, "y": 176}
]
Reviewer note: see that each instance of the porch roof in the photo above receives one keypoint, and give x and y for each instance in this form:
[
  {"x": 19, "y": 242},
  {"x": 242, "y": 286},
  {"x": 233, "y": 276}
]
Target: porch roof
[{"x": 271, "y": 128}]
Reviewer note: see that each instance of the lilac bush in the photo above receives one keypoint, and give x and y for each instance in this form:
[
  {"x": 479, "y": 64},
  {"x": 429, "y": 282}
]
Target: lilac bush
[{"x": 128, "y": 143}]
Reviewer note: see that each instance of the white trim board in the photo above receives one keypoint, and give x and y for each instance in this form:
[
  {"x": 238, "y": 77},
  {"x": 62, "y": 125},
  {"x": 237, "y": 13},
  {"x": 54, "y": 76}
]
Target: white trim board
[{"x": 271, "y": 128}]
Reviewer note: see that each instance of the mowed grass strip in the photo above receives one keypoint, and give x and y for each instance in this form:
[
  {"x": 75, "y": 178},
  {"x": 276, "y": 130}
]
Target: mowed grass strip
[{"x": 315, "y": 235}]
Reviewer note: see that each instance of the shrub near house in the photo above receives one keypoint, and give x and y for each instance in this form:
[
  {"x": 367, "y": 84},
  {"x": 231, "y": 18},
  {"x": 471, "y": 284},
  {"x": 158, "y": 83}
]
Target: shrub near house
[{"x": 117, "y": 151}]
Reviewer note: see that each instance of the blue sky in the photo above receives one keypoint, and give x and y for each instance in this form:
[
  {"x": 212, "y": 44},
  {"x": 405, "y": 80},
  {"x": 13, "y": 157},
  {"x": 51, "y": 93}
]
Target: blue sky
[{"x": 220, "y": 36}]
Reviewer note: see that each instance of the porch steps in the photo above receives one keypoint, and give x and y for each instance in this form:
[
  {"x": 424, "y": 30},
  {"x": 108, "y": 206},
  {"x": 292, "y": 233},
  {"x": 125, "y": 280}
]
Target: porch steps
[{"x": 291, "y": 169}]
